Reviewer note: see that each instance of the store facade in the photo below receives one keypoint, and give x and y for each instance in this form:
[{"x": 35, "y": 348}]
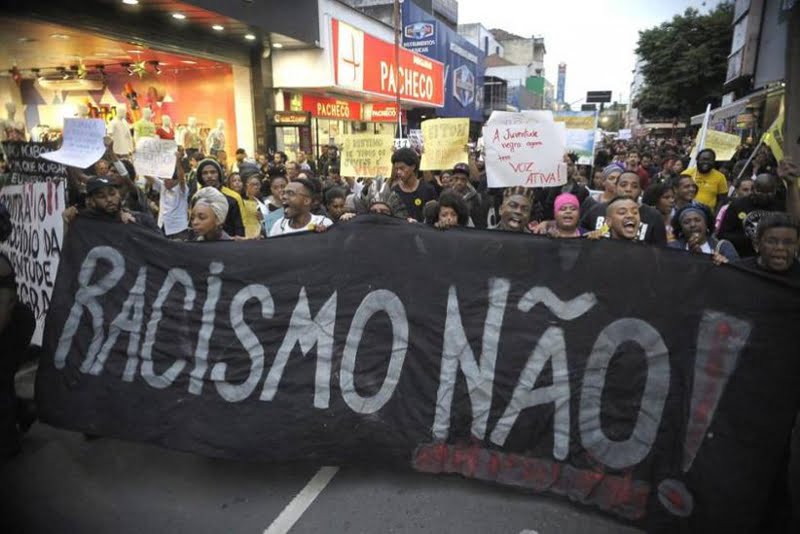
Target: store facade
[
  {"x": 464, "y": 75},
  {"x": 200, "y": 63},
  {"x": 353, "y": 83}
]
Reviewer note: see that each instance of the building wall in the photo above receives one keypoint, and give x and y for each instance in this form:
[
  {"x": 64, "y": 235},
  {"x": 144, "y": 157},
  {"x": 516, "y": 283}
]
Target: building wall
[
  {"x": 526, "y": 52},
  {"x": 480, "y": 36},
  {"x": 770, "y": 62}
]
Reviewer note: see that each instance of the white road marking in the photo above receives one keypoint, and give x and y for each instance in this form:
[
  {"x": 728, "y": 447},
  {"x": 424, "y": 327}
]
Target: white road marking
[
  {"x": 289, "y": 516},
  {"x": 526, "y": 531}
]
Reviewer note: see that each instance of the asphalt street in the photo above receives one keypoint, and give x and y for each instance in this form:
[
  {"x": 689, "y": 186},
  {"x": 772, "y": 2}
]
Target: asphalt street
[{"x": 63, "y": 482}]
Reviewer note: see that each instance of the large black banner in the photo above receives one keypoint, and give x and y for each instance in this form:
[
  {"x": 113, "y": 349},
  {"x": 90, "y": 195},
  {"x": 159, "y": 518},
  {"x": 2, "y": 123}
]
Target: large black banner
[{"x": 643, "y": 381}]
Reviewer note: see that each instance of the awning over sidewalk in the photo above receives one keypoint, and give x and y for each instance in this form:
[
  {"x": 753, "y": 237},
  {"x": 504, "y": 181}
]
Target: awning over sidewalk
[{"x": 729, "y": 110}]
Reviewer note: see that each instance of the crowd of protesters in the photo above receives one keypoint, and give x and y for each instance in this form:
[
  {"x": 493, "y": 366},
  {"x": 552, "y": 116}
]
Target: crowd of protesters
[{"x": 646, "y": 190}]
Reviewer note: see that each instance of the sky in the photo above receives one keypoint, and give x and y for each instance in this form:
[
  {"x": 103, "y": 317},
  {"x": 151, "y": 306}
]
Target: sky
[{"x": 595, "y": 38}]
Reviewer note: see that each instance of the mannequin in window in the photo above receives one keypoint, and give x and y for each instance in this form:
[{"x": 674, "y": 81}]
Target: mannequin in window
[
  {"x": 191, "y": 138},
  {"x": 120, "y": 132},
  {"x": 165, "y": 131},
  {"x": 144, "y": 127},
  {"x": 216, "y": 138}
]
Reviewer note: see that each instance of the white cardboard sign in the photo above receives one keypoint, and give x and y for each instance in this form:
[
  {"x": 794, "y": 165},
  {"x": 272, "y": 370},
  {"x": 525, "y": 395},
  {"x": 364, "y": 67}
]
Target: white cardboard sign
[
  {"x": 524, "y": 151},
  {"x": 83, "y": 143},
  {"x": 155, "y": 157}
]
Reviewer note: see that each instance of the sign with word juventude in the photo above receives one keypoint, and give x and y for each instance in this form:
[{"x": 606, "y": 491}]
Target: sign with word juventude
[
  {"x": 367, "y": 155},
  {"x": 524, "y": 151},
  {"x": 446, "y": 143}
]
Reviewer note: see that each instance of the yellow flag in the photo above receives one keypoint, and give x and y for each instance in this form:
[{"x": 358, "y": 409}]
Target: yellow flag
[{"x": 773, "y": 137}]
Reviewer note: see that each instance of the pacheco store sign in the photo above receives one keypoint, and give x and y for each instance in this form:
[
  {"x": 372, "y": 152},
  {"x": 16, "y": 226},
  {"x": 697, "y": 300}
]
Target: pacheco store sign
[{"x": 365, "y": 63}]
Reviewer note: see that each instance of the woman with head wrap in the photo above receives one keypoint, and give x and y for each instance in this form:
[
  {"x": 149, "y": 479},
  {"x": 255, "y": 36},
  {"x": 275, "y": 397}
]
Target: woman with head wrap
[
  {"x": 692, "y": 225},
  {"x": 610, "y": 175},
  {"x": 209, "y": 212},
  {"x": 210, "y": 174}
]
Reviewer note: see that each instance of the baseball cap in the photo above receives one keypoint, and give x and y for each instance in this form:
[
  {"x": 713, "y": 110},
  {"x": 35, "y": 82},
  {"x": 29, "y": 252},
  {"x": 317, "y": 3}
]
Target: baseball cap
[
  {"x": 95, "y": 184},
  {"x": 461, "y": 168}
]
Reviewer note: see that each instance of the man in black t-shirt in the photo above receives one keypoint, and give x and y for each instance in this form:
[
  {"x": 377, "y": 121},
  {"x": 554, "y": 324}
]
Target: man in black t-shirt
[
  {"x": 651, "y": 228},
  {"x": 414, "y": 192},
  {"x": 740, "y": 224},
  {"x": 104, "y": 202}
]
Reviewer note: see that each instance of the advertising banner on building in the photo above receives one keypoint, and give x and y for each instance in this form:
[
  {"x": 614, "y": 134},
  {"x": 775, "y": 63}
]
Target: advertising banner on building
[
  {"x": 463, "y": 61},
  {"x": 362, "y": 62}
]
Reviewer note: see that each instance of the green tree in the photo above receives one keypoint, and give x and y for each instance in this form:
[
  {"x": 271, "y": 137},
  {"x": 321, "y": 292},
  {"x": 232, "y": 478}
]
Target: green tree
[{"x": 686, "y": 63}]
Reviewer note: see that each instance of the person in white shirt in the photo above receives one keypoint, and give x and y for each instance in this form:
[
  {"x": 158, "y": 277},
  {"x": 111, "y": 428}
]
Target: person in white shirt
[
  {"x": 297, "y": 216},
  {"x": 173, "y": 209}
]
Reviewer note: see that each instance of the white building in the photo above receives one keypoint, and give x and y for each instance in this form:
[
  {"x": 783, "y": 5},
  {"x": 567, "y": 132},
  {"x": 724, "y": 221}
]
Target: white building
[
  {"x": 637, "y": 85},
  {"x": 480, "y": 36}
]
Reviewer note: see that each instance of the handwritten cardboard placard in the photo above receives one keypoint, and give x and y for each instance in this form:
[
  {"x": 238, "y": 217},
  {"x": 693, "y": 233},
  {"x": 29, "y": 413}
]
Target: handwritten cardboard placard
[
  {"x": 367, "y": 155},
  {"x": 34, "y": 246},
  {"x": 526, "y": 153},
  {"x": 723, "y": 144},
  {"x": 445, "y": 143},
  {"x": 625, "y": 134},
  {"x": 155, "y": 157},
  {"x": 83, "y": 143}
]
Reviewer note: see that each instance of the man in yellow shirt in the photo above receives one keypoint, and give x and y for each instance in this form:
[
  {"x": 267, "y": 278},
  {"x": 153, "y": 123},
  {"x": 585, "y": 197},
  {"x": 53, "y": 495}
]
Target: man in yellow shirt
[{"x": 712, "y": 187}]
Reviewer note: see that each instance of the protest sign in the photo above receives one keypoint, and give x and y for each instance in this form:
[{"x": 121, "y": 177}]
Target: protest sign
[
  {"x": 624, "y": 134},
  {"x": 367, "y": 155},
  {"x": 155, "y": 157},
  {"x": 402, "y": 142},
  {"x": 445, "y": 143},
  {"x": 723, "y": 144},
  {"x": 417, "y": 139},
  {"x": 34, "y": 246},
  {"x": 524, "y": 152},
  {"x": 521, "y": 370},
  {"x": 577, "y": 120},
  {"x": 580, "y": 134},
  {"x": 581, "y": 143},
  {"x": 24, "y": 163},
  {"x": 83, "y": 143}
]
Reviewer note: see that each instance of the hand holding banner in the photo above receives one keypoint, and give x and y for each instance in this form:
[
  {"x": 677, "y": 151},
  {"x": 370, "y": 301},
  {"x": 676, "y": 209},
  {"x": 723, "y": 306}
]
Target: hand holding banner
[
  {"x": 445, "y": 143},
  {"x": 521, "y": 151},
  {"x": 367, "y": 155},
  {"x": 155, "y": 157},
  {"x": 83, "y": 143}
]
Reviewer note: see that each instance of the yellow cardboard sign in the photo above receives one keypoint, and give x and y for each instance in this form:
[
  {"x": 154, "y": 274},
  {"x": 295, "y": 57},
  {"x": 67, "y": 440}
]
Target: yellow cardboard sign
[
  {"x": 366, "y": 155},
  {"x": 445, "y": 143},
  {"x": 723, "y": 144}
]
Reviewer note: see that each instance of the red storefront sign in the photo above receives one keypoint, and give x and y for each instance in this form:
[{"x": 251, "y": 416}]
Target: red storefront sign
[
  {"x": 332, "y": 108},
  {"x": 365, "y": 63},
  {"x": 381, "y": 113}
]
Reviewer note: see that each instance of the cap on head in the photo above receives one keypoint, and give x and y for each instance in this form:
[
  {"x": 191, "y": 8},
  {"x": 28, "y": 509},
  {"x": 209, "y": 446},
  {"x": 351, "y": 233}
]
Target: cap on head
[
  {"x": 461, "y": 168},
  {"x": 96, "y": 184}
]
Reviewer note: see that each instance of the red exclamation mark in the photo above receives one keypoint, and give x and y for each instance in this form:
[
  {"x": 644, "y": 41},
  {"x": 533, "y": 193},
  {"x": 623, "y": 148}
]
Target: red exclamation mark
[{"x": 719, "y": 342}]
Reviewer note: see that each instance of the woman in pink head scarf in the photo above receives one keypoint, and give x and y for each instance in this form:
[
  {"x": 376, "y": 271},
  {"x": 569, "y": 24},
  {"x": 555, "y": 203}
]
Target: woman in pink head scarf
[{"x": 567, "y": 211}]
